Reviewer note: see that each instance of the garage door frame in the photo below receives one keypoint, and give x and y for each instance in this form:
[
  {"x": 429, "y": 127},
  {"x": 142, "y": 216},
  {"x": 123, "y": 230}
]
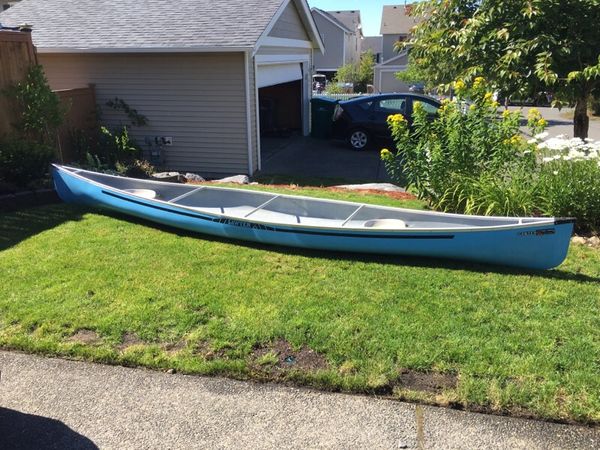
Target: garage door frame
[{"x": 304, "y": 60}]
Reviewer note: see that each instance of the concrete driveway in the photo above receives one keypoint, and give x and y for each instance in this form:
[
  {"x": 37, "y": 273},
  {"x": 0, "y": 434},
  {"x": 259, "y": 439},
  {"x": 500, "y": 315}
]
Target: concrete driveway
[{"x": 308, "y": 157}]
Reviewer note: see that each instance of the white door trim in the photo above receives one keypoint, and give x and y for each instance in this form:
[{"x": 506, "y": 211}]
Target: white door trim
[{"x": 248, "y": 117}]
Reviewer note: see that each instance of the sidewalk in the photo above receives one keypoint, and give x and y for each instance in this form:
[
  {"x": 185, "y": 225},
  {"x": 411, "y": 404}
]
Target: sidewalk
[{"x": 52, "y": 403}]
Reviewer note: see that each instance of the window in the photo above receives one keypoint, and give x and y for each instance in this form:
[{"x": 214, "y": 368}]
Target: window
[
  {"x": 395, "y": 105},
  {"x": 365, "y": 105},
  {"x": 428, "y": 107}
]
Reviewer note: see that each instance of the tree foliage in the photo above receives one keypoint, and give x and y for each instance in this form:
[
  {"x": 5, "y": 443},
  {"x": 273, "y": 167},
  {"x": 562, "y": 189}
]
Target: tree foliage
[
  {"x": 524, "y": 46},
  {"x": 360, "y": 73},
  {"x": 40, "y": 110}
]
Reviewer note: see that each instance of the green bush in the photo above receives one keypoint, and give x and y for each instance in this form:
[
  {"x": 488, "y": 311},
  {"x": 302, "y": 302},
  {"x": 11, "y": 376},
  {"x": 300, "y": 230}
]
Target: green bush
[
  {"x": 468, "y": 158},
  {"x": 22, "y": 161},
  {"x": 570, "y": 180},
  {"x": 472, "y": 160}
]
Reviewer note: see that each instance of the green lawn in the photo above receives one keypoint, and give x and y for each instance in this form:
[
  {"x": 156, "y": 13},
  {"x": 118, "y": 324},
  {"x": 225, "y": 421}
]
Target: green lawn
[{"x": 84, "y": 284}]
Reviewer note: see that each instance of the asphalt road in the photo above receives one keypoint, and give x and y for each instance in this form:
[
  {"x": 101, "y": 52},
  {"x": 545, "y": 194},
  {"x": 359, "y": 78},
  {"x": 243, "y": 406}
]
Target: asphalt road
[
  {"x": 51, "y": 403},
  {"x": 561, "y": 122}
]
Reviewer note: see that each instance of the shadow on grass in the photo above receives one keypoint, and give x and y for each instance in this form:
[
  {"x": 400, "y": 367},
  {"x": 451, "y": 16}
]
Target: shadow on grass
[
  {"x": 31, "y": 432},
  {"x": 428, "y": 263},
  {"x": 17, "y": 226}
]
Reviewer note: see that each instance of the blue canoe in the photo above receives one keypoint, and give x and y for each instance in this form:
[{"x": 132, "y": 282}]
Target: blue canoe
[{"x": 289, "y": 220}]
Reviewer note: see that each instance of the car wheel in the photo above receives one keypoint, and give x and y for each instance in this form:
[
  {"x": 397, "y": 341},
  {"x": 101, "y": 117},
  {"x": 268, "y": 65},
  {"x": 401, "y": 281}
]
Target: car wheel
[{"x": 359, "y": 139}]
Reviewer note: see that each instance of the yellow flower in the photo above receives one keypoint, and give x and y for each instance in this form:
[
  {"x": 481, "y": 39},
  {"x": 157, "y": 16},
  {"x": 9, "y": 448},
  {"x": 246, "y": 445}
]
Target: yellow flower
[
  {"x": 488, "y": 96},
  {"x": 542, "y": 123},
  {"x": 505, "y": 113},
  {"x": 495, "y": 104},
  {"x": 473, "y": 107},
  {"x": 396, "y": 119},
  {"x": 533, "y": 114},
  {"x": 385, "y": 154},
  {"x": 479, "y": 81}
]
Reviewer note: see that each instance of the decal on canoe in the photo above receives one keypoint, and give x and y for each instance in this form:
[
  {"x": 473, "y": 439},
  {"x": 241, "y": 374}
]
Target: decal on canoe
[{"x": 542, "y": 232}]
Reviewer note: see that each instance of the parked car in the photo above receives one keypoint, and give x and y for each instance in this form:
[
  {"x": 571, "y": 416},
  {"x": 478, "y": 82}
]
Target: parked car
[{"x": 363, "y": 121}]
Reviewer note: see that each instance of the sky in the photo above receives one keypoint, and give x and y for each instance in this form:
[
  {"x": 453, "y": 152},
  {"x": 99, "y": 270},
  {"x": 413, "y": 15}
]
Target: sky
[{"x": 370, "y": 11}]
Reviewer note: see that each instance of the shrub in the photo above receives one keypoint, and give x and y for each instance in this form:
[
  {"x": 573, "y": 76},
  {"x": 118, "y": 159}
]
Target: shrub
[
  {"x": 40, "y": 110},
  {"x": 570, "y": 180},
  {"x": 469, "y": 158},
  {"x": 22, "y": 161}
]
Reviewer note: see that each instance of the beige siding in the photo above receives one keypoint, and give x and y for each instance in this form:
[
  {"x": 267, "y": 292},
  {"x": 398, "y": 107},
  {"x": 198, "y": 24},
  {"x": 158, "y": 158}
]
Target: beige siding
[
  {"x": 198, "y": 99},
  {"x": 290, "y": 25}
]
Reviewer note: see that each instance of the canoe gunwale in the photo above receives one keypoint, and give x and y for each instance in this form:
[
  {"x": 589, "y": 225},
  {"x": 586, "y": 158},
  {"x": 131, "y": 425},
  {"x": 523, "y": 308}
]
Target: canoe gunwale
[{"x": 195, "y": 211}]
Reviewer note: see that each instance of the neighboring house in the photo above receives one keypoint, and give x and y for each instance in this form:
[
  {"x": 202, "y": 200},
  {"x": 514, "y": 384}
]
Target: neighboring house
[
  {"x": 375, "y": 44},
  {"x": 341, "y": 32},
  {"x": 200, "y": 70},
  {"x": 396, "y": 26}
]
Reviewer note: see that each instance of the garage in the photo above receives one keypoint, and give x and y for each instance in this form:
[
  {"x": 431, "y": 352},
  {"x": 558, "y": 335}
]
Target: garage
[{"x": 280, "y": 99}]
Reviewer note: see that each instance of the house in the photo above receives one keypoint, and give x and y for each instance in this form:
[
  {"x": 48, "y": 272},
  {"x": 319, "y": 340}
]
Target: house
[
  {"x": 375, "y": 44},
  {"x": 396, "y": 26},
  {"x": 204, "y": 72},
  {"x": 341, "y": 32}
]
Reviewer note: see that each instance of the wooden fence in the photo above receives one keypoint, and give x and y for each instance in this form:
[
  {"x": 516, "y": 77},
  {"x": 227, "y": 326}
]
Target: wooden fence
[
  {"x": 17, "y": 55},
  {"x": 80, "y": 121}
]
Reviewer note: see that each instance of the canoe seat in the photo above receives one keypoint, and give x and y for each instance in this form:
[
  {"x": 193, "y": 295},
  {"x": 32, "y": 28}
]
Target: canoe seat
[
  {"x": 144, "y": 193},
  {"x": 391, "y": 224}
]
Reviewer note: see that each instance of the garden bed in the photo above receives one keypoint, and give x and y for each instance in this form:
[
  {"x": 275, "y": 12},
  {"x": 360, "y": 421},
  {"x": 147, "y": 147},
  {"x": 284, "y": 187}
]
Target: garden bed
[{"x": 91, "y": 285}]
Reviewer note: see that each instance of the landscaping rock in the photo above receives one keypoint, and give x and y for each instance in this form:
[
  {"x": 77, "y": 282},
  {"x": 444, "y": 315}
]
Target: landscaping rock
[
  {"x": 173, "y": 177},
  {"x": 193, "y": 178},
  {"x": 578, "y": 240},
  {"x": 239, "y": 179},
  {"x": 388, "y": 187},
  {"x": 594, "y": 241}
]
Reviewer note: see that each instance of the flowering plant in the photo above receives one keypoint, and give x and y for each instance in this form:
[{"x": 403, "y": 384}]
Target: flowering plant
[
  {"x": 569, "y": 178},
  {"x": 449, "y": 160}
]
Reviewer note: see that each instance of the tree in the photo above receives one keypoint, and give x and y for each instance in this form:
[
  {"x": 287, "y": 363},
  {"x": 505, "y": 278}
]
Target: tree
[
  {"x": 360, "y": 74},
  {"x": 525, "y": 46}
]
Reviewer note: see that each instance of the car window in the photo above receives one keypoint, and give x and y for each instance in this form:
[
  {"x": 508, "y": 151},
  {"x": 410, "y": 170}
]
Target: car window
[
  {"x": 429, "y": 108},
  {"x": 397, "y": 105},
  {"x": 365, "y": 105}
]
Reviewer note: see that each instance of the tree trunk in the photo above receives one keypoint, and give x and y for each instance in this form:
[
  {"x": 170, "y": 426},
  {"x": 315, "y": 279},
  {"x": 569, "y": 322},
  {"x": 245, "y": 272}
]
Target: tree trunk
[{"x": 581, "y": 121}]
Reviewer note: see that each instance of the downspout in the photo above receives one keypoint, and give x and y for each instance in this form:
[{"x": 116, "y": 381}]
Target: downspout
[
  {"x": 257, "y": 107},
  {"x": 248, "y": 111}
]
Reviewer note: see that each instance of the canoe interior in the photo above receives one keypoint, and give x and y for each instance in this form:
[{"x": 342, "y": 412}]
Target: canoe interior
[{"x": 284, "y": 209}]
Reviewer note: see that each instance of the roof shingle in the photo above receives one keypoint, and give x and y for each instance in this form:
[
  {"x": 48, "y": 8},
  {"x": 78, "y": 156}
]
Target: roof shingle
[
  {"x": 395, "y": 19},
  {"x": 143, "y": 24}
]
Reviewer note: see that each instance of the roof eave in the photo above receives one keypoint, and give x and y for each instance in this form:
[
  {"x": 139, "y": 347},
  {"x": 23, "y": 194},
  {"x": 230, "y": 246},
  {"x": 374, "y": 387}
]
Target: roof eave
[{"x": 190, "y": 49}]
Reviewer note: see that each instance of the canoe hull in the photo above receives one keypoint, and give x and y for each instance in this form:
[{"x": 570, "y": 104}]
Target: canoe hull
[{"x": 532, "y": 247}]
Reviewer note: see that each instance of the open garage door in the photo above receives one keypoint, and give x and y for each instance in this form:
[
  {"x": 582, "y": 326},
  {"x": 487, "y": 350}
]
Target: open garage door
[
  {"x": 280, "y": 102},
  {"x": 272, "y": 74}
]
